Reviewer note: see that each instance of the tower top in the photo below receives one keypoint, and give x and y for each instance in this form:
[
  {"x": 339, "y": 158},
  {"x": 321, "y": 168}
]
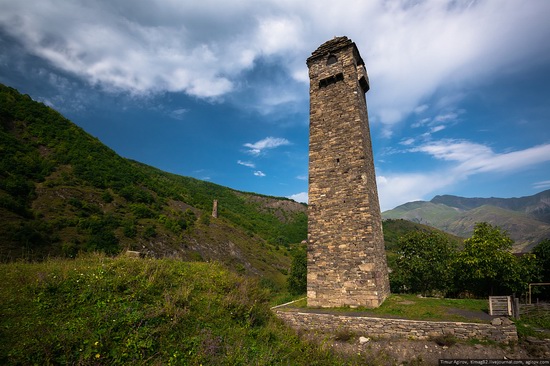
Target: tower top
[{"x": 332, "y": 46}]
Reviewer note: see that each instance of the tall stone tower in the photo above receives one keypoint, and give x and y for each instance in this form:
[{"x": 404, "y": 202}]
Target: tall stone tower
[{"x": 346, "y": 259}]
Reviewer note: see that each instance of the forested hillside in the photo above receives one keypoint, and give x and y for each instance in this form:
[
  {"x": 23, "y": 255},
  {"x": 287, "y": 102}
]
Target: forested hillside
[{"x": 62, "y": 192}]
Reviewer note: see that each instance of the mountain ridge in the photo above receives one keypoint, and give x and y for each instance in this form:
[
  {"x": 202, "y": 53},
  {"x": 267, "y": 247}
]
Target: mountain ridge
[
  {"x": 526, "y": 219},
  {"x": 537, "y": 205}
]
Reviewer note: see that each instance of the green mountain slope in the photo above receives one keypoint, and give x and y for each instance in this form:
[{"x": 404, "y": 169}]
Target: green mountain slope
[
  {"x": 536, "y": 206},
  {"x": 62, "y": 191},
  {"x": 396, "y": 228},
  {"x": 427, "y": 213},
  {"x": 524, "y": 230},
  {"x": 457, "y": 215}
]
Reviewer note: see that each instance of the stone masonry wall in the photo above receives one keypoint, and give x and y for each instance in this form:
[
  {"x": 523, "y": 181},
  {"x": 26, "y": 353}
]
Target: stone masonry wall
[
  {"x": 346, "y": 257},
  {"x": 503, "y": 330}
]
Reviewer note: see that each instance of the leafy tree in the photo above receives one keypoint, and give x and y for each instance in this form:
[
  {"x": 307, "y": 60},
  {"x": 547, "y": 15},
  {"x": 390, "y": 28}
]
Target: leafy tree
[
  {"x": 487, "y": 267},
  {"x": 542, "y": 253},
  {"x": 423, "y": 263},
  {"x": 297, "y": 280}
]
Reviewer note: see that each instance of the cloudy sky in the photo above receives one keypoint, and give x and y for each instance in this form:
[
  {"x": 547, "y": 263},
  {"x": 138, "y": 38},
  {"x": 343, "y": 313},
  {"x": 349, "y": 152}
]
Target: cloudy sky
[{"x": 218, "y": 90}]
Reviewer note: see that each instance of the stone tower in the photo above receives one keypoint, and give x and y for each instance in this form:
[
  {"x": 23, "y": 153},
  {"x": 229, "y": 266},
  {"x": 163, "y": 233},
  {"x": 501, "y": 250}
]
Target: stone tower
[
  {"x": 346, "y": 259},
  {"x": 215, "y": 209}
]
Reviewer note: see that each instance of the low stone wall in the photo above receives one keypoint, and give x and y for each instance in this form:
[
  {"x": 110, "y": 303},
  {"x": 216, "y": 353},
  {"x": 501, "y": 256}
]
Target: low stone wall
[{"x": 501, "y": 330}]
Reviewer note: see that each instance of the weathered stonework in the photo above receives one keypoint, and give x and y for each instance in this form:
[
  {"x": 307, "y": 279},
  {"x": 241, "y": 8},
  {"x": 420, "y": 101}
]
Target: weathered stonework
[
  {"x": 503, "y": 331},
  {"x": 215, "y": 209},
  {"x": 346, "y": 257}
]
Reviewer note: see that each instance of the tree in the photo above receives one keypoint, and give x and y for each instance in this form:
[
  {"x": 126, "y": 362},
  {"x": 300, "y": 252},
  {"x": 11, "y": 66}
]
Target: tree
[
  {"x": 297, "y": 279},
  {"x": 542, "y": 254},
  {"x": 487, "y": 267},
  {"x": 423, "y": 263}
]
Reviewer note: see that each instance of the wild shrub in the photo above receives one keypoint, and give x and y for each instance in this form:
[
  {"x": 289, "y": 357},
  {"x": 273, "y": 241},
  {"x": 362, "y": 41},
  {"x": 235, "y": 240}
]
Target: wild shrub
[{"x": 98, "y": 310}]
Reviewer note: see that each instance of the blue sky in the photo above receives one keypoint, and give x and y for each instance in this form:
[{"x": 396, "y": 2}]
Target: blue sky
[{"x": 217, "y": 90}]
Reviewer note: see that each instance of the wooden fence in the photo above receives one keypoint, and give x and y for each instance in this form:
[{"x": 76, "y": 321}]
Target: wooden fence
[{"x": 500, "y": 305}]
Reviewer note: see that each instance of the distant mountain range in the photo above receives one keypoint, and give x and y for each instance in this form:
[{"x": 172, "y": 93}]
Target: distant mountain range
[{"x": 526, "y": 219}]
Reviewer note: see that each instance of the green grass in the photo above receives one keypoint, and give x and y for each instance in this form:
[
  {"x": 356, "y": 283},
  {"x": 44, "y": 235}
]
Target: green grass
[
  {"x": 100, "y": 310},
  {"x": 535, "y": 324},
  {"x": 418, "y": 308}
]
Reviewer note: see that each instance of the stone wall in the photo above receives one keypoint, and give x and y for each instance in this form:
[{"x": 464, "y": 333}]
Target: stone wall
[
  {"x": 501, "y": 330},
  {"x": 346, "y": 256}
]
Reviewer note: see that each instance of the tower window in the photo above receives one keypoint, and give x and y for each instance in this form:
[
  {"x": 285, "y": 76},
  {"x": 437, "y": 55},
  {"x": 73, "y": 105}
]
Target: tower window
[
  {"x": 331, "y": 60},
  {"x": 331, "y": 80}
]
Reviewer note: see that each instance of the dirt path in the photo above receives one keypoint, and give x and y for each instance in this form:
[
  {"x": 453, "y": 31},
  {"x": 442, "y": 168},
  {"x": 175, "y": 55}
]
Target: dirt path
[{"x": 416, "y": 352}]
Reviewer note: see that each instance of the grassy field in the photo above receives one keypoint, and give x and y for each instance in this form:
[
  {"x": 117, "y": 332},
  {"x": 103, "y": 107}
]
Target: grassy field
[
  {"x": 101, "y": 310},
  {"x": 421, "y": 308}
]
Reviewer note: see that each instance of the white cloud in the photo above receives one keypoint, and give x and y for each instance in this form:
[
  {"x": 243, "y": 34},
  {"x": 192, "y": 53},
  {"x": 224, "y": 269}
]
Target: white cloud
[
  {"x": 542, "y": 185},
  {"x": 178, "y": 113},
  {"x": 465, "y": 159},
  {"x": 454, "y": 150},
  {"x": 299, "y": 197},
  {"x": 421, "y": 108},
  {"x": 407, "y": 142},
  {"x": 268, "y": 143},
  {"x": 259, "y": 173},
  {"x": 302, "y": 177},
  {"x": 246, "y": 163},
  {"x": 477, "y": 158},
  {"x": 203, "y": 48},
  {"x": 437, "y": 129},
  {"x": 396, "y": 189}
]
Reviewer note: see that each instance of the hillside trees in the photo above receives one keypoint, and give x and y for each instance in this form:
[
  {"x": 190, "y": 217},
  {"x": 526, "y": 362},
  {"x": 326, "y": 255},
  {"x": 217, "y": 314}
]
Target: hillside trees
[
  {"x": 428, "y": 263},
  {"x": 542, "y": 254},
  {"x": 297, "y": 279},
  {"x": 423, "y": 263},
  {"x": 486, "y": 266},
  {"x": 55, "y": 179}
]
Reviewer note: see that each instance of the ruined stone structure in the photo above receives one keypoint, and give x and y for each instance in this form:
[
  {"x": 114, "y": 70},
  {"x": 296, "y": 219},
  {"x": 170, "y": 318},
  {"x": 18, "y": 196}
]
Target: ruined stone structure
[
  {"x": 346, "y": 257},
  {"x": 215, "y": 209}
]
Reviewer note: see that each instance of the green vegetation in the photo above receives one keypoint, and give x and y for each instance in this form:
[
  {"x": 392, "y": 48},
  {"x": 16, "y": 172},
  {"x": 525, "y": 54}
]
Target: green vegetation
[
  {"x": 542, "y": 254},
  {"x": 394, "y": 229},
  {"x": 535, "y": 324},
  {"x": 421, "y": 264},
  {"x": 526, "y": 219},
  {"x": 63, "y": 192},
  {"x": 486, "y": 266},
  {"x": 429, "y": 263},
  {"x": 429, "y": 308},
  {"x": 409, "y": 306},
  {"x": 297, "y": 279},
  {"x": 98, "y": 310}
]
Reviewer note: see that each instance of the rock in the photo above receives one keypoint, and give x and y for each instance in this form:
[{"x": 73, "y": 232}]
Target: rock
[
  {"x": 534, "y": 340},
  {"x": 496, "y": 321},
  {"x": 506, "y": 321},
  {"x": 363, "y": 340}
]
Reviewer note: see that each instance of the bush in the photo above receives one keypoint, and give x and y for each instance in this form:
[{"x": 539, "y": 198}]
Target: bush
[
  {"x": 297, "y": 280},
  {"x": 97, "y": 310}
]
